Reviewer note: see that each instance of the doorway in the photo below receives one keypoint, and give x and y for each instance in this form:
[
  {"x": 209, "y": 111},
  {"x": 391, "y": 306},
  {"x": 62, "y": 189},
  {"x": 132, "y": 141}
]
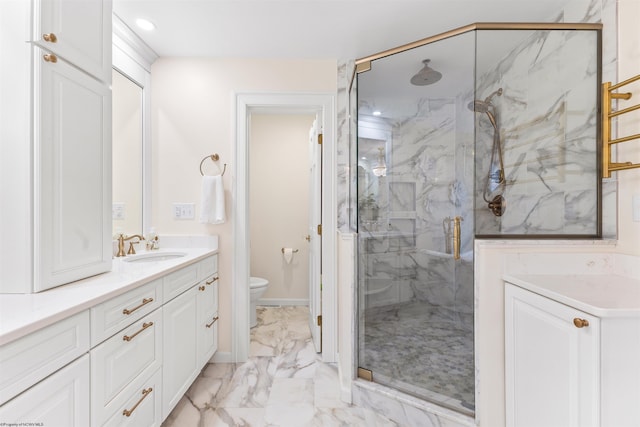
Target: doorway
[
  {"x": 284, "y": 210},
  {"x": 321, "y": 105}
]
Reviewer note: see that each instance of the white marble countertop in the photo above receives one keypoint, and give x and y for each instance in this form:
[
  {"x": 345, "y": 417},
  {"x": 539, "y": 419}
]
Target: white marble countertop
[
  {"x": 597, "y": 294},
  {"x": 21, "y": 314}
]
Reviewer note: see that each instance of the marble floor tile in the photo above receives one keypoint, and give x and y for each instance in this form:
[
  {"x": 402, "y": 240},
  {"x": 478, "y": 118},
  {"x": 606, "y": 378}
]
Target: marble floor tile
[{"x": 283, "y": 383}]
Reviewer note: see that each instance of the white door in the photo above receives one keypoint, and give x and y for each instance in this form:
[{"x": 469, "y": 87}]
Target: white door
[{"x": 315, "y": 239}]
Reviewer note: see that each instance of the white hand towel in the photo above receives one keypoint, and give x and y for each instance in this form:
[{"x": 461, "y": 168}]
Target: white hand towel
[{"x": 212, "y": 200}]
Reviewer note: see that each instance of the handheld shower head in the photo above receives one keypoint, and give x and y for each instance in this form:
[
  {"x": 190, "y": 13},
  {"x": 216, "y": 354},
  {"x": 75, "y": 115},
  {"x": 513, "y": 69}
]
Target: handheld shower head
[
  {"x": 497, "y": 92},
  {"x": 484, "y": 106}
]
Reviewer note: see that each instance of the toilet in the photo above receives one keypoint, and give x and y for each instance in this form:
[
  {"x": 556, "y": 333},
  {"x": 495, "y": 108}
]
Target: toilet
[{"x": 257, "y": 286}]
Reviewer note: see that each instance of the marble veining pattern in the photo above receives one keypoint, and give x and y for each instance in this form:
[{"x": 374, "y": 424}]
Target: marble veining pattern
[{"x": 283, "y": 383}]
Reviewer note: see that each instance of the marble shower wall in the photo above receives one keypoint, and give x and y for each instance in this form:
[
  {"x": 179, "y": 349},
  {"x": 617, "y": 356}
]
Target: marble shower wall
[
  {"x": 406, "y": 254},
  {"x": 547, "y": 117}
]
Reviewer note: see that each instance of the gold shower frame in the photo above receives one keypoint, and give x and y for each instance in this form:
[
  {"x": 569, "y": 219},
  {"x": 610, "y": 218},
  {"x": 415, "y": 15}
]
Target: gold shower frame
[{"x": 364, "y": 64}]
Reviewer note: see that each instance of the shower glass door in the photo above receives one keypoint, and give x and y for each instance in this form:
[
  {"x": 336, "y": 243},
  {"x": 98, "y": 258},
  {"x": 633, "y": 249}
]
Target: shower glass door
[{"x": 415, "y": 186}]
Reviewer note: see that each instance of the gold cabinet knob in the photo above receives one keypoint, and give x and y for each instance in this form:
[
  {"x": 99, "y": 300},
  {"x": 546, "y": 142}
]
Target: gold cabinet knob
[
  {"x": 308, "y": 238},
  {"x": 201, "y": 288},
  {"x": 50, "y": 37},
  {"x": 50, "y": 57},
  {"x": 580, "y": 323}
]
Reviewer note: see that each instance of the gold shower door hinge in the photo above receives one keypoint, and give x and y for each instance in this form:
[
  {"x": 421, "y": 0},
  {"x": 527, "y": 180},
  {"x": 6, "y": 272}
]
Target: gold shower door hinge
[
  {"x": 365, "y": 374},
  {"x": 319, "y": 320},
  {"x": 320, "y": 229},
  {"x": 320, "y": 138}
]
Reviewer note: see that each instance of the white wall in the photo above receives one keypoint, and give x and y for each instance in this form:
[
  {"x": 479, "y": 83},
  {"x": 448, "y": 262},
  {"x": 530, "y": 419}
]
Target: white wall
[
  {"x": 279, "y": 202},
  {"x": 629, "y": 180},
  {"x": 192, "y": 117}
]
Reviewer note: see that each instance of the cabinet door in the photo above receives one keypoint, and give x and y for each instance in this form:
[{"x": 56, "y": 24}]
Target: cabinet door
[
  {"x": 62, "y": 400},
  {"x": 207, "y": 320},
  {"x": 552, "y": 366},
  {"x": 180, "y": 355},
  {"x": 82, "y": 30},
  {"x": 72, "y": 174}
]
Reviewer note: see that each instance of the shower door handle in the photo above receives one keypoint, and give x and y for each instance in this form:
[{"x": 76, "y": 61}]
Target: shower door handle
[{"x": 456, "y": 237}]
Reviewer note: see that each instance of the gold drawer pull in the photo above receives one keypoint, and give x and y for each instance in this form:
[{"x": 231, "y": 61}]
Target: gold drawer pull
[
  {"x": 212, "y": 322},
  {"x": 212, "y": 280},
  {"x": 144, "y": 302},
  {"x": 50, "y": 37},
  {"x": 145, "y": 393},
  {"x": 580, "y": 323},
  {"x": 144, "y": 326},
  {"x": 50, "y": 57}
]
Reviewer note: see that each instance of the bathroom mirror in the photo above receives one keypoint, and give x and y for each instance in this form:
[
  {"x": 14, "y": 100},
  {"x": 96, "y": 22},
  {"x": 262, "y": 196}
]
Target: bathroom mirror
[
  {"x": 131, "y": 92},
  {"x": 127, "y": 152}
]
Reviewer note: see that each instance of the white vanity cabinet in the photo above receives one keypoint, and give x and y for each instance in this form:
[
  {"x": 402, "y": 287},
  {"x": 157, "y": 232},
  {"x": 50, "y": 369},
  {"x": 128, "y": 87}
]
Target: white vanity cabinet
[
  {"x": 61, "y": 400},
  {"x": 55, "y": 153},
  {"x": 190, "y": 334},
  {"x": 44, "y": 376},
  {"x": 568, "y": 363},
  {"x": 125, "y": 361}
]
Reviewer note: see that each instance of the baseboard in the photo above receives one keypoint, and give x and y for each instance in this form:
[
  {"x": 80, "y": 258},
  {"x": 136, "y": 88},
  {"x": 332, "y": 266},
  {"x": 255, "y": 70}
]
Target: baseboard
[
  {"x": 221, "y": 357},
  {"x": 283, "y": 301}
]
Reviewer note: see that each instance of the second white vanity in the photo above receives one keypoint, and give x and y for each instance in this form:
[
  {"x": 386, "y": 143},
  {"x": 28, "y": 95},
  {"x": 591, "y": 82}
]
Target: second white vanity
[
  {"x": 572, "y": 349},
  {"x": 118, "y": 349}
]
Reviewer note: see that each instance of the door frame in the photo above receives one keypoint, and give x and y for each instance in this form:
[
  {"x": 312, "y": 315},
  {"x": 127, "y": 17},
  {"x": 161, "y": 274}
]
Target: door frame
[{"x": 245, "y": 104}]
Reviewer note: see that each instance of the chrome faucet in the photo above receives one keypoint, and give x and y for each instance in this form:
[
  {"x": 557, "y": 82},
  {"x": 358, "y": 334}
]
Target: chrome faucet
[{"x": 122, "y": 239}]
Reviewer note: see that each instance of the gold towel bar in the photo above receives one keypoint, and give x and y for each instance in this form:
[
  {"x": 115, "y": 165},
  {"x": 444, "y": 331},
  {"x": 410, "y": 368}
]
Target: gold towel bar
[
  {"x": 214, "y": 157},
  {"x": 607, "y": 165}
]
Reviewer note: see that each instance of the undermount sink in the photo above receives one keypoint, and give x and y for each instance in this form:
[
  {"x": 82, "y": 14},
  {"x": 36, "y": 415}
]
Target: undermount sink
[{"x": 153, "y": 257}]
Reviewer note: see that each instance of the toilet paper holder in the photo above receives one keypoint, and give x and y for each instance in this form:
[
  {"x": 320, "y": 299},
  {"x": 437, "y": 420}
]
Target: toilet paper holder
[{"x": 295, "y": 251}]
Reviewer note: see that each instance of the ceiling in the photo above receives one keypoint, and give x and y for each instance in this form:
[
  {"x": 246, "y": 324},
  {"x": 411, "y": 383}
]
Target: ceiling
[{"x": 312, "y": 29}]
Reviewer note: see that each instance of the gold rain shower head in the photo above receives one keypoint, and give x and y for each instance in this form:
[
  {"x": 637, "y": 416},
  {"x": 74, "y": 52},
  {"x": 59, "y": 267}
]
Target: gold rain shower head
[{"x": 426, "y": 76}]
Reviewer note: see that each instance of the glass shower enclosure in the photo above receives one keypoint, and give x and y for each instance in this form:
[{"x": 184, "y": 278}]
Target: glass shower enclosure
[{"x": 454, "y": 139}]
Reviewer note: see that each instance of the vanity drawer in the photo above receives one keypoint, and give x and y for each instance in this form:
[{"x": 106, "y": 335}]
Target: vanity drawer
[
  {"x": 208, "y": 266},
  {"x": 119, "y": 312},
  {"x": 139, "y": 405},
  {"x": 179, "y": 281},
  {"x": 29, "y": 359},
  {"x": 126, "y": 358}
]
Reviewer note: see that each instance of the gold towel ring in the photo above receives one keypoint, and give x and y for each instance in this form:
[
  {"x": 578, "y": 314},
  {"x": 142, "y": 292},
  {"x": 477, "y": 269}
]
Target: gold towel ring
[{"x": 215, "y": 158}]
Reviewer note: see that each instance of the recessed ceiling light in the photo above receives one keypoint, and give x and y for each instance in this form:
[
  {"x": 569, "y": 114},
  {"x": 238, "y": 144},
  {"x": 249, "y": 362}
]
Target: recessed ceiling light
[
  {"x": 377, "y": 113},
  {"x": 145, "y": 24}
]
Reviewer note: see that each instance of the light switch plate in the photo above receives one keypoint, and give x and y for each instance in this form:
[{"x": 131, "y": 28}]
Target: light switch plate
[
  {"x": 184, "y": 210},
  {"x": 117, "y": 210}
]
